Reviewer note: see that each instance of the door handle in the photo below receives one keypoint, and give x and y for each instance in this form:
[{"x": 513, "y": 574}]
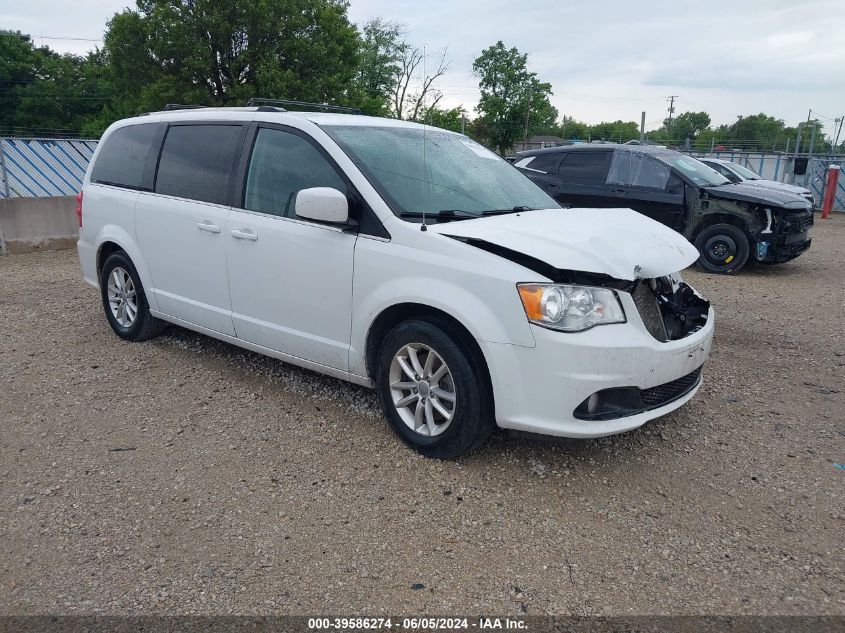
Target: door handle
[
  {"x": 204, "y": 225},
  {"x": 244, "y": 234}
]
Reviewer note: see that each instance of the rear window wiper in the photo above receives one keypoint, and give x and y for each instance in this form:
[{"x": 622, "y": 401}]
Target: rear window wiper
[{"x": 503, "y": 211}]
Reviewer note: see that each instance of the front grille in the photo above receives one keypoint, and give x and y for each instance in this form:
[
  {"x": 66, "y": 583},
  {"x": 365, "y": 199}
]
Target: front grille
[
  {"x": 798, "y": 223},
  {"x": 646, "y": 303},
  {"x": 665, "y": 393}
]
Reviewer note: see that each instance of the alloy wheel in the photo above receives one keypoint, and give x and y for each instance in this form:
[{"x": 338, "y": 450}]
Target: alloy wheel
[
  {"x": 123, "y": 300},
  {"x": 422, "y": 389}
]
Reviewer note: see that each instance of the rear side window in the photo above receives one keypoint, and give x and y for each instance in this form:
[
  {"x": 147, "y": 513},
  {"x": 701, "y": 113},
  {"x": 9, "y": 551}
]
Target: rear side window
[
  {"x": 197, "y": 162},
  {"x": 123, "y": 155},
  {"x": 544, "y": 163},
  {"x": 585, "y": 168},
  {"x": 637, "y": 170},
  {"x": 283, "y": 164}
]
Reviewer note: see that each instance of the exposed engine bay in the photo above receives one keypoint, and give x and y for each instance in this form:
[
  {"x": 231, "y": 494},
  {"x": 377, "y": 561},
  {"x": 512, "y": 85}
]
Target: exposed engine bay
[{"x": 670, "y": 309}]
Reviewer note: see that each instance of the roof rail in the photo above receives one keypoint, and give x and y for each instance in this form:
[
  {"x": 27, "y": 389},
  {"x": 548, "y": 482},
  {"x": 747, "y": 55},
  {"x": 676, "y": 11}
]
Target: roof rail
[
  {"x": 259, "y": 101},
  {"x": 181, "y": 106}
]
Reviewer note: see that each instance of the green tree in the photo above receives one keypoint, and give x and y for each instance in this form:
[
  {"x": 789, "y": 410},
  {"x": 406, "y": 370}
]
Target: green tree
[
  {"x": 570, "y": 129},
  {"x": 447, "y": 119},
  {"x": 615, "y": 131},
  {"x": 45, "y": 93},
  {"x": 509, "y": 92},
  {"x": 221, "y": 53},
  {"x": 688, "y": 125},
  {"x": 18, "y": 65},
  {"x": 380, "y": 63}
]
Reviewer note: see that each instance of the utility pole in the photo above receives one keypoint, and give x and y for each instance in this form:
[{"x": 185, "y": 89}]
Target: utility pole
[
  {"x": 527, "y": 113},
  {"x": 807, "y": 175},
  {"x": 642, "y": 128},
  {"x": 838, "y": 130},
  {"x": 463, "y": 122},
  {"x": 671, "y": 99},
  {"x": 812, "y": 138},
  {"x": 797, "y": 150}
]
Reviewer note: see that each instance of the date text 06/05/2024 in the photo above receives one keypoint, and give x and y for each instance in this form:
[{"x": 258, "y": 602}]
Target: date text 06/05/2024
[{"x": 417, "y": 623}]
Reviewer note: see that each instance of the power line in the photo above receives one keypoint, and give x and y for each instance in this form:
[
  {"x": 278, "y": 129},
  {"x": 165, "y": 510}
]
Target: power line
[{"x": 29, "y": 36}]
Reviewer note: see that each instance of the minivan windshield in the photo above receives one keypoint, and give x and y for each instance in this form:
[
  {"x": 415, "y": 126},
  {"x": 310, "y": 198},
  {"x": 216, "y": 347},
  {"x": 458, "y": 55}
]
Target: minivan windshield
[
  {"x": 695, "y": 170},
  {"x": 431, "y": 171}
]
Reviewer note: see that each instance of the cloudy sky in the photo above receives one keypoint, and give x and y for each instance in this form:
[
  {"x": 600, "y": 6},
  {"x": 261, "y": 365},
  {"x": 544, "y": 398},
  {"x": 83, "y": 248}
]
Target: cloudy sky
[{"x": 605, "y": 60}]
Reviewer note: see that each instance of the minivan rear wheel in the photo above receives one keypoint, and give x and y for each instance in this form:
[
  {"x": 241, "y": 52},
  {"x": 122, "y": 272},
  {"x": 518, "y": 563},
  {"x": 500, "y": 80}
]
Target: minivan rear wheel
[
  {"x": 124, "y": 300},
  {"x": 722, "y": 248},
  {"x": 433, "y": 390}
]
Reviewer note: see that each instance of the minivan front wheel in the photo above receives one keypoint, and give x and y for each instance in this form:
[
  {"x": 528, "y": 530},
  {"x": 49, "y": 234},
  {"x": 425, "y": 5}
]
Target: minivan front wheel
[
  {"x": 432, "y": 390},
  {"x": 124, "y": 300},
  {"x": 722, "y": 248}
]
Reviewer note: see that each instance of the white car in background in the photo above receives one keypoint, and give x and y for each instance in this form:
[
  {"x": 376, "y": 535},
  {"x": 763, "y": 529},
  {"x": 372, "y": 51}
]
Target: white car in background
[
  {"x": 397, "y": 256},
  {"x": 737, "y": 173}
]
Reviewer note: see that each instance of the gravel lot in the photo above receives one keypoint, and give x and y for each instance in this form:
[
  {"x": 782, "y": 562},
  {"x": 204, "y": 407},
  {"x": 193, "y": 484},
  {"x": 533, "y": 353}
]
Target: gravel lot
[{"x": 184, "y": 475}]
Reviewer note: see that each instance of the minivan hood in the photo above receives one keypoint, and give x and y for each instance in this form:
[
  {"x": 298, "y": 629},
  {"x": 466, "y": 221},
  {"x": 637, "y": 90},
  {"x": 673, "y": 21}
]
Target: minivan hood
[
  {"x": 747, "y": 192},
  {"x": 620, "y": 243}
]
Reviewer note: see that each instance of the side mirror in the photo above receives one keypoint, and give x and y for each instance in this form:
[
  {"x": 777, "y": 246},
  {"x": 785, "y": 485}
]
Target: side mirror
[{"x": 323, "y": 204}]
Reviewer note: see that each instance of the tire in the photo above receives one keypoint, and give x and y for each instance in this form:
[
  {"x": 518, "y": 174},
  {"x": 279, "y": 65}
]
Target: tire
[
  {"x": 471, "y": 404},
  {"x": 118, "y": 269},
  {"x": 723, "y": 249}
]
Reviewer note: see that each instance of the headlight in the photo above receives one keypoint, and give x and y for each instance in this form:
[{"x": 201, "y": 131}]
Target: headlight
[{"x": 570, "y": 308}]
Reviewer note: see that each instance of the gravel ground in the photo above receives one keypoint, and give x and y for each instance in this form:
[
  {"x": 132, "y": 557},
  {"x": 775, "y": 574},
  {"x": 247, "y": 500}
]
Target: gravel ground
[{"x": 184, "y": 475}]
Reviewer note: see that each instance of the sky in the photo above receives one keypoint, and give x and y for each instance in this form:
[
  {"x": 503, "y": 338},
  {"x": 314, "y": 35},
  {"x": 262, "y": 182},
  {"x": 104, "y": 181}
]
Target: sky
[{"x": 605, "y": 60}]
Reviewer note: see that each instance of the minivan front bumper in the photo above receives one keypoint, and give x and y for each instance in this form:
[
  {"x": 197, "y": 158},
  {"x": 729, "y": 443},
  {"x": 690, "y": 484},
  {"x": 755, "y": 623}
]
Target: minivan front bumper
[{"x": 540, "y": 389}]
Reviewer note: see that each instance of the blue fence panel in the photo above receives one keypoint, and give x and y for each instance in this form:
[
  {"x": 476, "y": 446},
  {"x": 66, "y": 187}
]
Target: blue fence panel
[{"x": 32, "y": 167}]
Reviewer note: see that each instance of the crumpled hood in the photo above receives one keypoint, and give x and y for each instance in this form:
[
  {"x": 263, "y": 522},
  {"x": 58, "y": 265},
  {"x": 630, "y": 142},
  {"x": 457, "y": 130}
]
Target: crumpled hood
[
  {"x": 747, "y": 192},
  {"x": 617, "y": 242},
  {"x": 774, "y": 184}
]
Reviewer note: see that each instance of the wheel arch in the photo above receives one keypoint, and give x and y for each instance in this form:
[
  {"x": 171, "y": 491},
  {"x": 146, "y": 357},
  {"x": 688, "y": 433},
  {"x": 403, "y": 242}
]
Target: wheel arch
[
  {"x": 712, "y": 219},
  {"x": 393, "y": 315},
  {"x": 104, "y": 251},
  {"x": 112, "y": 239}
]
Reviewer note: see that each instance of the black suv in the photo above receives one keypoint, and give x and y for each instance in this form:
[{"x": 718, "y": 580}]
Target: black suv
[{"x": 727, "y": 222}]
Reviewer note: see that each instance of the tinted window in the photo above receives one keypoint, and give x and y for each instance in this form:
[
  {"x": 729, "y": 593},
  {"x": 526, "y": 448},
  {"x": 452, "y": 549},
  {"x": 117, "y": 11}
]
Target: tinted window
[
  {"x": 197, "y": 162},
  {"x": 123, "y": 155},
  {"x": 693, "y": 169},
  {"x": 585, "y": 168},
  {"x": 638, "y": 170},
  {"x": 546, "y": 163},
  {"x": 281, "y": 165}
]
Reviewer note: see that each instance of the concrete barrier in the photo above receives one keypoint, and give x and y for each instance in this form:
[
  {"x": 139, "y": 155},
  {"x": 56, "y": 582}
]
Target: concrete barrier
[{"x": 37, "y": 224}]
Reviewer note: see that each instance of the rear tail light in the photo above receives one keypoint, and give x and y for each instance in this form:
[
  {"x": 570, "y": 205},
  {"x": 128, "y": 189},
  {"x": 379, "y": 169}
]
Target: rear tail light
[{"x": 79, "y": 208}]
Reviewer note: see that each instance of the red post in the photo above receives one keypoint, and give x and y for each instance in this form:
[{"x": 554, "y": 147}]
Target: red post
[{"x": 830, "y": 190}]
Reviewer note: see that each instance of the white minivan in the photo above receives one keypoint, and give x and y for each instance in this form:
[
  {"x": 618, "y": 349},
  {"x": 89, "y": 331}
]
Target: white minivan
[{"x": 402, "y": 257}]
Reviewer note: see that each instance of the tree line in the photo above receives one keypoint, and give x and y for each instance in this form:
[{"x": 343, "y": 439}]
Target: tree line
[
  {"x": 694, "y": 130},
  {"x": 221, "y": 54}
]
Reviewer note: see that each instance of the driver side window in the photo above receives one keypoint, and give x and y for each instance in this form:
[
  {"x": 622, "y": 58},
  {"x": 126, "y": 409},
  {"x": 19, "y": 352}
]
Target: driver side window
[{"x": 281, "y": 165}]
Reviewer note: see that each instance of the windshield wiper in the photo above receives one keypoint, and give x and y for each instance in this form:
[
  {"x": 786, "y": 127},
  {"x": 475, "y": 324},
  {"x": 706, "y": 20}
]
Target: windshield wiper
[
  {"x": 444, "y": 215},
  {"x": 504, "y": 211}
]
